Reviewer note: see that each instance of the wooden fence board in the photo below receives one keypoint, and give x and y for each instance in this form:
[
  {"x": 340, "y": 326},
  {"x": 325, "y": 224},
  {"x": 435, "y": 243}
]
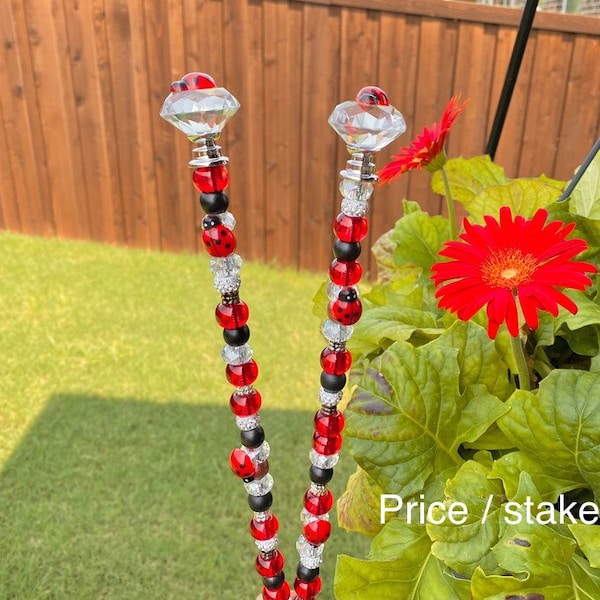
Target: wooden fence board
[
  {"x": 88, "y": 156},
  {"x": 579, "y": 128},
  {"x": 541, "y": 128},
  {"x": 398, "y": 65},
  {"x": 319, "y": 159},
  {"x": 283, "y": 107}
]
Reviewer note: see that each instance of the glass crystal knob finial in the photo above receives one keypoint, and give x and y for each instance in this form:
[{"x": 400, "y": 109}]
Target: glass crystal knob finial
[
  {"x": 368, "y": 123},
  {"x": 197, "y": 107}
]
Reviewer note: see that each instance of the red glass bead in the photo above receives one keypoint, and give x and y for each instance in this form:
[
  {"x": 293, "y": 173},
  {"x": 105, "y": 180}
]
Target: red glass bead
[
  {"x": 211, "y": 179},
  {"x": 317, "y": 532},
  {"x": 327, "y": 445},
  {"x": 270, "y": 567},
  {"x": 243, "y": 405},
  {"x": 372, "y": 94},
  {"x": 264, "y": 530},
  {"x": 232, "y": 316},
  {"x": 329, "y": 424},
  {"x": 282, "y": 593},
  {"x": 219, "y": 241},
  {"x": 345, "y": 312},
  {"x": 241, "y": 464},
  {"x": 336, "y": 362},
  {"x": 307, "y": 590},
  {"x": 318, "y": 504},
  {"x": 241, "y": 375},
  {"x": 198, "y": 81},
  {"x": 345, "y": 272},
  {"x": 350, "y": 229}
]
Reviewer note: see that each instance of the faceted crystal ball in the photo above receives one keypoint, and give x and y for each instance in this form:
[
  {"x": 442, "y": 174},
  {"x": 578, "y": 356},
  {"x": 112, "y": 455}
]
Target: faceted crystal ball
[
  {"x": 199, "y": 112},
  {"x": 367, "y": 124}
]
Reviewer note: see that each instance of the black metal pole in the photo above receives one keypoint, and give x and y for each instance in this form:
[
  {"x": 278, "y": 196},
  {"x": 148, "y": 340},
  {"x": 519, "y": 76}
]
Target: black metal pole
[
  {"x": 511, "y": 75},
  {"x": 582, "y": 169}
]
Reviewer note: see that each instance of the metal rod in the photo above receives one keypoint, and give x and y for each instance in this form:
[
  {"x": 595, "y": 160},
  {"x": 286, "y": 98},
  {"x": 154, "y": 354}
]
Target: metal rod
[
  {"x": 511, "y": 75},
  {"x": 582, "y": 169}
]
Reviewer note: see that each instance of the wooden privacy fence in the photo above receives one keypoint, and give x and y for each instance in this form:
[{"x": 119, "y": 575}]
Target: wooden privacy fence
[{"x": 84, "y": 153}]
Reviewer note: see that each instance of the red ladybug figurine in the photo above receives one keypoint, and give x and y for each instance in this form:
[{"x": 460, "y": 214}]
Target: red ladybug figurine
[
  {"x": 218, "y": 240},
  {"x": 347, "y": 309}
]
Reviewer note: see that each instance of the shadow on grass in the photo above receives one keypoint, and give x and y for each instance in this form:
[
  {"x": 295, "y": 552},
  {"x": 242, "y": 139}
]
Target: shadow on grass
[{"x": 116, "y": 498}]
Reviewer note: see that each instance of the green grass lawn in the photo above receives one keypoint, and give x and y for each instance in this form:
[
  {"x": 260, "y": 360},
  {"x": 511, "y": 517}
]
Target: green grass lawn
[{"x": 115, "y": 429}]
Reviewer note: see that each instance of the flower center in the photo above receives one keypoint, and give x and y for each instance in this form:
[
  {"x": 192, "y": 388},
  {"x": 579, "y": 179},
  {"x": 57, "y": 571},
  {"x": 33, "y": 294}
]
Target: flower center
[{"x": 508, "y": 268}]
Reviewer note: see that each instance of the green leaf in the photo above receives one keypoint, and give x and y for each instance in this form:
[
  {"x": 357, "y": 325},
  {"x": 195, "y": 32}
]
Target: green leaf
[
  {"x": 588, "y": 538},
  {"x": 547, "y": 477},
  {"x": 418, "y": 238},
  {"x": 586, "y": 322},
  {"x": 358, "y": 507},
  {"x": 401, "y": 566},
  {"x": 478, "y": 359},
  {"x": 407, "y": 417},
  {"x": 468, "y": 176},
  {"x": 559, "y": 425},
  {"x": 542, "y": 561},
  {"x": 381, "y": 326},
  {"x": 585, "y": 199},
  {"x": 465, "y": 546},
  {"x": 523, "y": 196}
]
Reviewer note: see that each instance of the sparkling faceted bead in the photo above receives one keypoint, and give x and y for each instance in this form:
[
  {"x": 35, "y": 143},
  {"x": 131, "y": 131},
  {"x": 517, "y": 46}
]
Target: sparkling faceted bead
[
  {"x": 199, "y": 112},
  {"x": 211, "y": 179},
  {"x": 336, "y": 362},
  {"x": 350, "y": 229},
  {"x": 260, "y": 453},
  {"x": 310, "y": 556},
  {"x": 228, "y": 220},
  {"x": 241, "y": 464},
  {"x": 232, "y": 316},
  {"x": 333, "y": 291},
  {"x": 282, "y": 593},
  {"x": 354, "y": 208},
  {"x": 327, "y": 423},
  {"x": 227, "y": 285},
  {"x": 307, "y": 590},
  {"x": 347, "y": 309},
  {"x": 236, "y": 355},
  {"x": 345, "y": 272},
  {"x": 356, "y": 191},
  {"x": 226, "y": 266},
  {"x": 327, "y": 445},
  {"x": 264, "y": 530},
  {"x": 336, "y": 333},
  {"x": 307, "y": 517},
  {"x": 244, "y": 405},
  {"x": 218, "y": 239},
  {"x": 267, "y": 545},
  {"x": 244, "y": 374},
  {"x": 323, "y": 461},
  {"x": 330, "y": 399},
  {"x": 271, "y": 566},
  {"x": 317, "y": 531},
  {"x": 318, "y": 504},
  {"x": 367, "y": 127},
  {"x": 247, "y": 423},
  {"x": 260, "y": 487}
]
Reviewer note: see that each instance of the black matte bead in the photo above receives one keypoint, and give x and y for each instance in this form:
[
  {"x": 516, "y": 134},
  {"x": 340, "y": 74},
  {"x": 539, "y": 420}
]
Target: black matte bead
[
  {"x": 260, "y": 503},
  {"x": 215, "y": 202},
  {"x": 333, "y": 383},
  {"x": 253, "y": 438},
  {"x": 320, "y": 476},
  {"x": 305, "y": 574},
  {"x": 274, "y": 583},
  {"x": 346, "y": 251},
  {"x": 236, "y": 337}
]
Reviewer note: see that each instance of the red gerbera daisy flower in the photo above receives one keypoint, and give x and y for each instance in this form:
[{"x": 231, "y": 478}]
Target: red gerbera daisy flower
[
  {"x": 426, "y": 147},
  {"x": 503, "y": 261}
]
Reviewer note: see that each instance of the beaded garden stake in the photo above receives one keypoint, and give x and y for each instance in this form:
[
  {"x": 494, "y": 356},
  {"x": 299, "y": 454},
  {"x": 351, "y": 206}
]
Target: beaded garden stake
[{"x": 200, "y": 109}]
